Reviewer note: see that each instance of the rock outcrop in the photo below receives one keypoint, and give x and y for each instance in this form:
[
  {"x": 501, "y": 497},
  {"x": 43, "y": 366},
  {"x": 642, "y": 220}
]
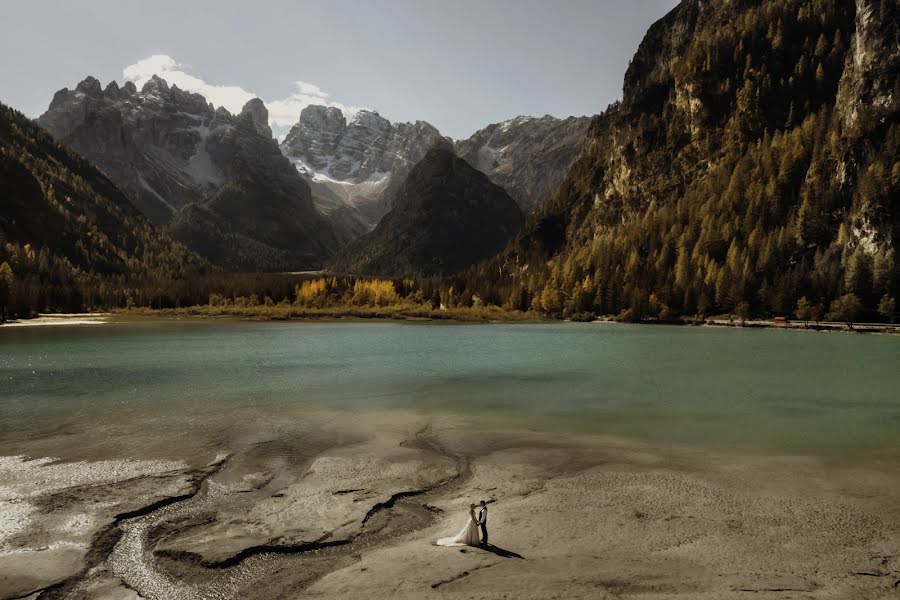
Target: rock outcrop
[{"x": 256, "y": 110}]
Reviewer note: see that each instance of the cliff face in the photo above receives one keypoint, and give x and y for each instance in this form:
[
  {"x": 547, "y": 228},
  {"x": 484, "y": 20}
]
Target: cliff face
[
  {"x": 172, "y": 153},
  {"x": 867, "y": 91},
  {"x": 446, "y": 216},
  {"x": 753, "y": 159},
  {"x": 867, "y": 108}
]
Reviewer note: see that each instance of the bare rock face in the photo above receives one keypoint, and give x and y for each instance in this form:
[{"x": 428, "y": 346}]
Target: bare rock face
[
  {"x": 527, "y": 156},
  {"x": 355, "y": 168},
  {"x": 366, "y": 148},
  {"x": 257, "y": 112},
  {"x": 177, "y": 157},
  {"x": 152, "y": 142},
  {"x": 316, "y": 135},
  {"x": 870, "y": 72},
  {"x": 867, "y": 102}
]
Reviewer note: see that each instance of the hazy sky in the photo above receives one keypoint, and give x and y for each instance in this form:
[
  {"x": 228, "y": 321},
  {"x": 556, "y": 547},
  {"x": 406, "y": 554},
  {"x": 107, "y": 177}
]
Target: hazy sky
[{"x": 459, "y": 64}]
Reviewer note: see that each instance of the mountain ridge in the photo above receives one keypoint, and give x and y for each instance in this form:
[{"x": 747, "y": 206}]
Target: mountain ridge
[
  {"x": 527, "y": 156},
  {"x": 170, "y": 151}
]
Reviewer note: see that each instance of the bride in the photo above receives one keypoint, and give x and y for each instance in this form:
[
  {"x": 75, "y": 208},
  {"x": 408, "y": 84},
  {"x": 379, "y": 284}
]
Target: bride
[{"x": 468, "y": 536}]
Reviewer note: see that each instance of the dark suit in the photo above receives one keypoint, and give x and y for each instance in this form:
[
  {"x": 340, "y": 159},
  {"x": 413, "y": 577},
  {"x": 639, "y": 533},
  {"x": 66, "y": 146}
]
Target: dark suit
[{"x": 482, "y": 522}]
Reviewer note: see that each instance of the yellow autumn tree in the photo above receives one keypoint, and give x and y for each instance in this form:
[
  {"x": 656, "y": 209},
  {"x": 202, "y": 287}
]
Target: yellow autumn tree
[
  {"x": 312, "y": 293},
  {"x": 374, "y": 292}
]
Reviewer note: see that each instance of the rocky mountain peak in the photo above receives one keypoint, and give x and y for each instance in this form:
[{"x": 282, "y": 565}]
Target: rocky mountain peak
[
  {"x": 316, "y": 135},
  {"x": 217, "y": 182},
  {"x": 89, "y": 86},
  {"x": 322, "y": 118},
  {"x": 155, "y": 84},
  {"x": 355, "y": 167},
  {"x": 329, "y": 112},
  {"x": 256, "y": 110},
  {"x": 59, "y": 98},
  {"x": 112, "y": 90},
  {"x": 370, "y": 119}
]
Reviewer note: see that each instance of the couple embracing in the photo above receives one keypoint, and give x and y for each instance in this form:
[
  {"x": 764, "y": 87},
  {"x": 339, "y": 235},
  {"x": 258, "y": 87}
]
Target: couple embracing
[{"x": 469, "y": 534}]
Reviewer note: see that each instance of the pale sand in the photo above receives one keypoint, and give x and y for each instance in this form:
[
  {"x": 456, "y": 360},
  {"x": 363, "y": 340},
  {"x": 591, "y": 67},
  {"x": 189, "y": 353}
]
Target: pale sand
[
  {"x": 355, "y": 515},
  {"x": 53, "y": 319}
]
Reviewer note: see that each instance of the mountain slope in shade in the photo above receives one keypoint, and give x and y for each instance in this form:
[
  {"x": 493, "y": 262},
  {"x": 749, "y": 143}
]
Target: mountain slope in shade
[
  {"x": 753, "y": 161},
  {"x": 526, "y": 156},
  {"x": 446, "y": 216},
  {"x": 64, "y": 225},
  {"x": 217, "y": 180}
]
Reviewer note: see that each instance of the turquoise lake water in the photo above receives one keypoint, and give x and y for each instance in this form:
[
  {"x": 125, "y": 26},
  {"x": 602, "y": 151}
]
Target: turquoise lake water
[{"x": 827, "y": 394}]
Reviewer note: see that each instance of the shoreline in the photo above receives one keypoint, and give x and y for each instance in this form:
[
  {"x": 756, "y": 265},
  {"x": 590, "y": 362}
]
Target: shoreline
[
  {"x": 464, "y": 316},
  {"x": 56, "y": 319},
  {"x": 357, "y": 514}
]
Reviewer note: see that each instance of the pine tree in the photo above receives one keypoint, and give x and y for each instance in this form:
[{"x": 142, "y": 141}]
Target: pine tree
[
  {"x": 887, "y": 308},
  {"x": 7, "y": 291}
]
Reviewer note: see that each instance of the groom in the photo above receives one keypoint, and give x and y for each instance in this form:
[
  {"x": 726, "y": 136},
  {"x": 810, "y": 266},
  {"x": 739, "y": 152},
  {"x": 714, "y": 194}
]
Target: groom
[{"x": 482, "y": 522}]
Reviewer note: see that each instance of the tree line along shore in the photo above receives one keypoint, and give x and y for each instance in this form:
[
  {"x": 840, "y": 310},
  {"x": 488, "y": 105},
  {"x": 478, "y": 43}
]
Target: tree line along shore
[{"x": 333, "y": 297}]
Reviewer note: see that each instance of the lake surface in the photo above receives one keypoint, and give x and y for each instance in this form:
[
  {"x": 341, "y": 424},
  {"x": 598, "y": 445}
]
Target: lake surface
[{"x": 825, "y": 394}]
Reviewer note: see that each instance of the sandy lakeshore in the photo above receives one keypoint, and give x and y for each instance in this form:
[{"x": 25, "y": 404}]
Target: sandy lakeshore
[
  {"x": 340, "y": 508},
  {"x": 54, "y": 319}
]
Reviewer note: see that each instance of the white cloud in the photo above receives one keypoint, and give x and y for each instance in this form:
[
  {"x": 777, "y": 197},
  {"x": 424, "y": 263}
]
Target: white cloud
[
  {"x": 283, "y": 112},
  {"x": 310, "y": 88}
]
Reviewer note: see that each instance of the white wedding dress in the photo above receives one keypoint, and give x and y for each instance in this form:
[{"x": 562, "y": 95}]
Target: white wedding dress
[{"x": 467, "y": 537}]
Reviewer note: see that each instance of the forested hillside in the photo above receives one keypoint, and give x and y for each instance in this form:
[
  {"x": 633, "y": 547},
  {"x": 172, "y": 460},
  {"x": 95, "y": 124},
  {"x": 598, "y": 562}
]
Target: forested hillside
[
  {"x": 753, "y": 163},
  {"x": 69, "y": 239}
]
